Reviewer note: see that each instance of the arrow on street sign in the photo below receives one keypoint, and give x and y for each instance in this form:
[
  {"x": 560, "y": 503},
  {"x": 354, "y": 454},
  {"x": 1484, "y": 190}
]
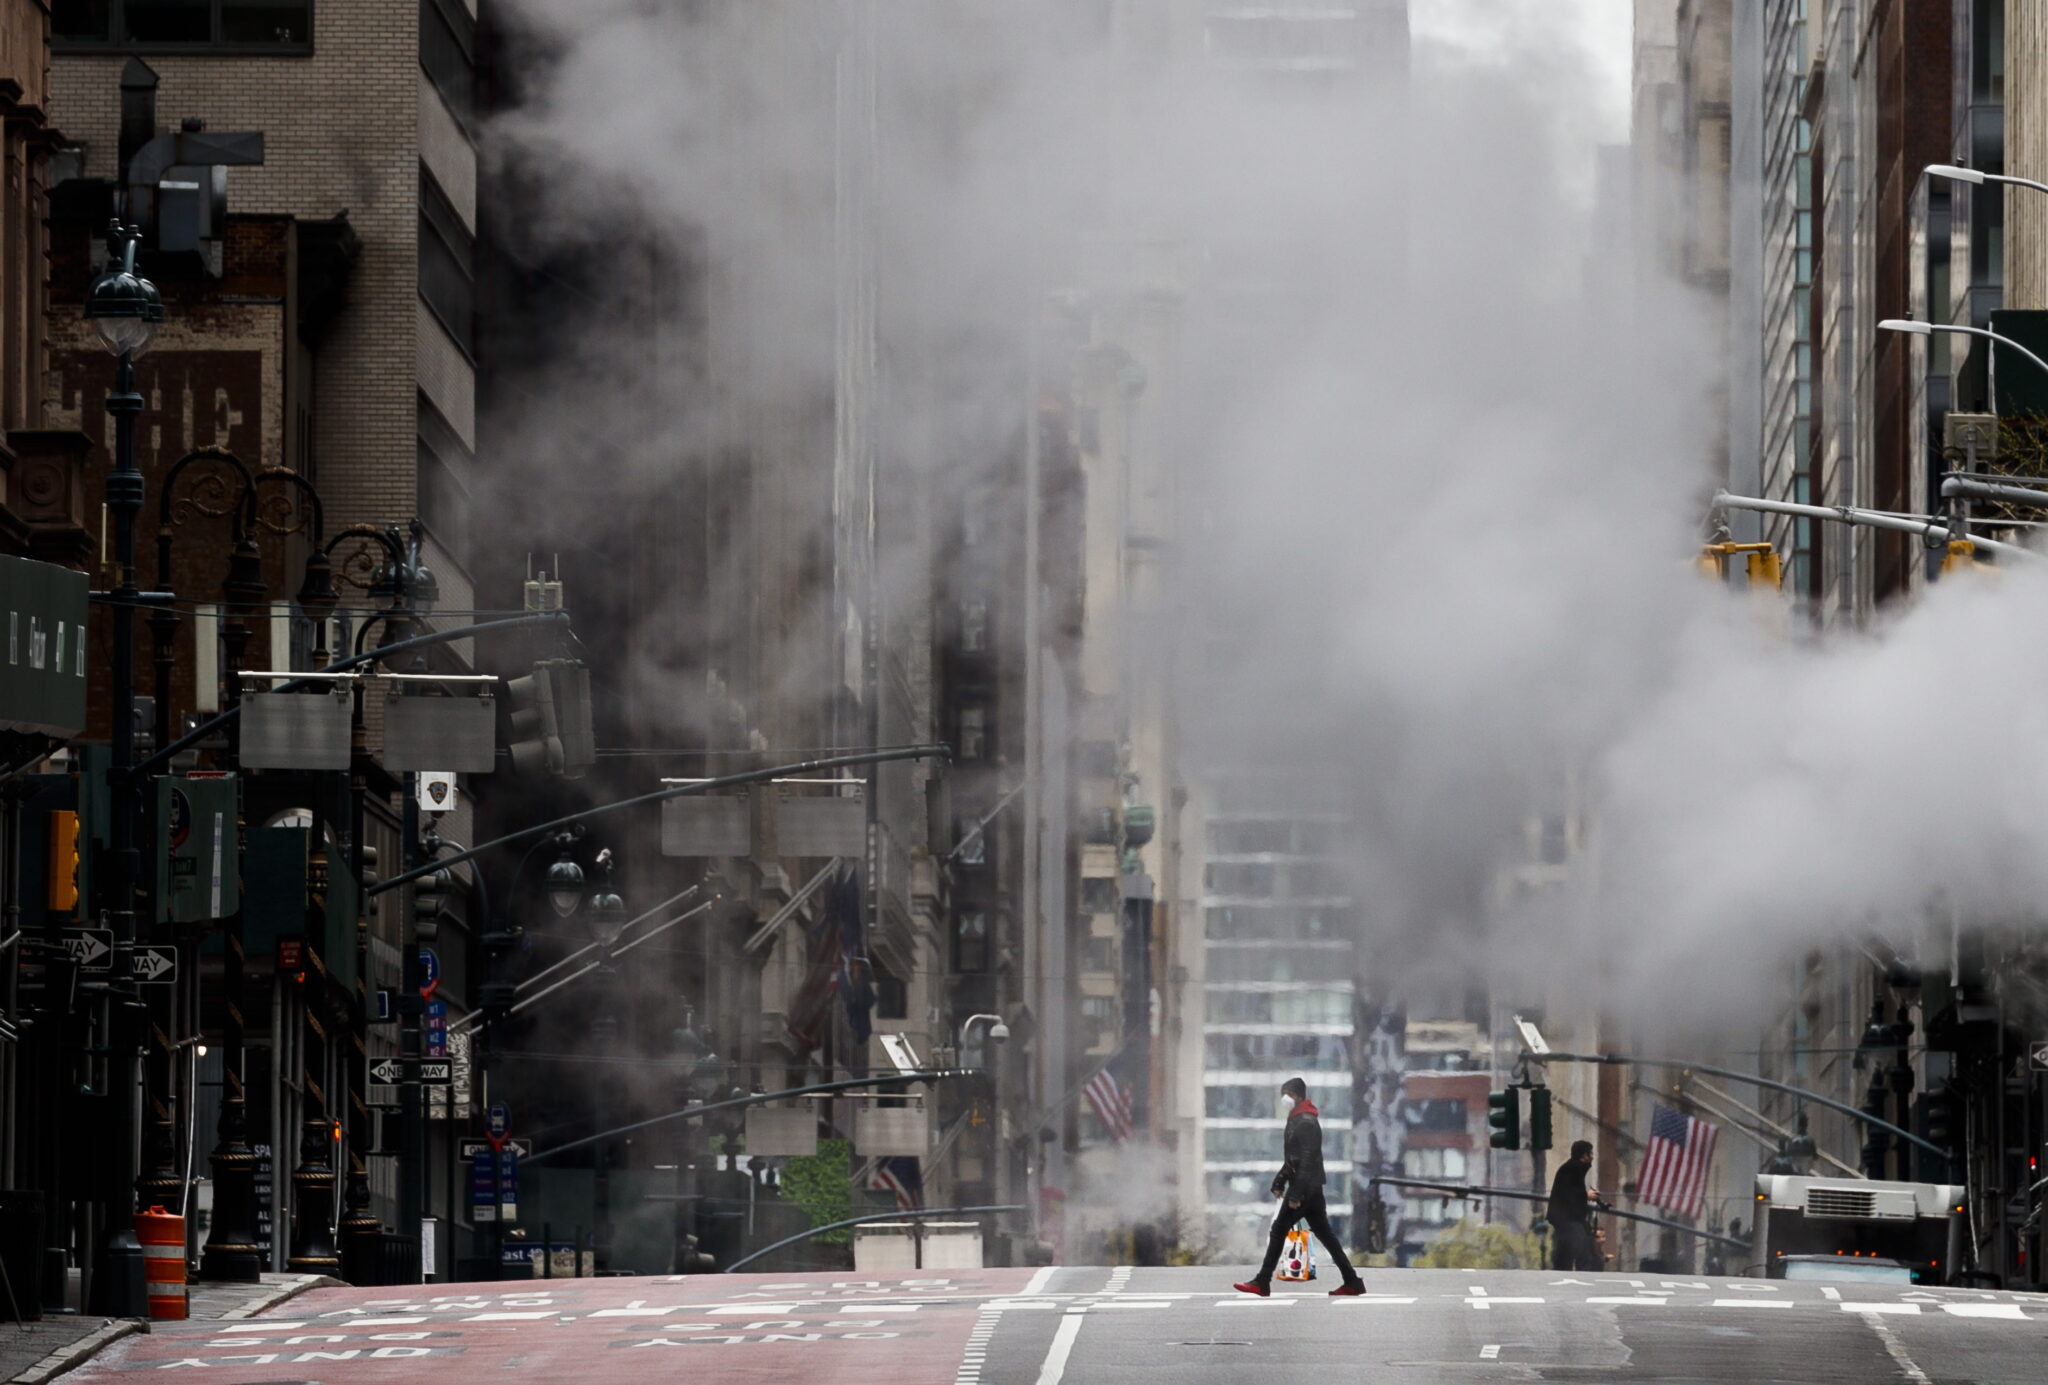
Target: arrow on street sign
[
  {"x": 2039, "y": 1054},
  {"x": 392, "y": 1071},
  {"x": 158, "y": 964},
  {"x": 91, "y": 948},
  {"x": 469, "y": 1149}
]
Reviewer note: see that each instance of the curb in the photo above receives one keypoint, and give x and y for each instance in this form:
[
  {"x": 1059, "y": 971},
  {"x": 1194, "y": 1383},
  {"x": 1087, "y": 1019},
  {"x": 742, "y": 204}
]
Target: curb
[
  {"x": 282, "y": 1293},
  {"x": 65, "y": 1357}
]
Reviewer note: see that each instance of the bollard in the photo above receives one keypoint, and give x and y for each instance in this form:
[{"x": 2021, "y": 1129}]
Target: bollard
[{"x": 163, "y": 1261}]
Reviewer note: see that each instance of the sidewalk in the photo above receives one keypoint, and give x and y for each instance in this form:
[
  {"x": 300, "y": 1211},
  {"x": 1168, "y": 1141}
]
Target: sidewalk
[{"x": 31, "y": 1353}]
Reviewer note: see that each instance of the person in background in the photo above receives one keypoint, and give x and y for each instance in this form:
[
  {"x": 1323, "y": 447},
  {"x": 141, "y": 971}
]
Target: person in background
[
  {"x": 1299, "y": 1186},
  {"x": 1570, "y": 1213}
]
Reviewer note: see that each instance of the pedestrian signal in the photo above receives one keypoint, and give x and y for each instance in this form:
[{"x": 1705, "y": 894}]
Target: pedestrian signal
[
  {"x": 1504, "y": 1119},
  {"x": 1539, "y": 1118}
]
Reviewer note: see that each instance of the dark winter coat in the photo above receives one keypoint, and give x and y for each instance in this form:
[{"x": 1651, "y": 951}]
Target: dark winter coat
[{"x": 1302, "y": 1147}]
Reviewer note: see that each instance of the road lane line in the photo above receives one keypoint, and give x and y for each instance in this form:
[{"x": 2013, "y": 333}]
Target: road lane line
[
  {"x": 1984, "y": 1310},
  {"x": 1039, "y": 1281},
  {"x": 1628, "y": 1298},
  {"x": 1751, "y": 1303},
  {"x": 1055, "y": 1366},
  {"x": 1490, "y": 1353},
  {"x": 1897, "y": 1349},
  {"x": 1489, "y": 1302}
]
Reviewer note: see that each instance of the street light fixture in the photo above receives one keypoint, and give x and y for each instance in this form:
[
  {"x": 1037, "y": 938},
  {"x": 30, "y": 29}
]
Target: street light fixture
[
  {"x": 1921, "y": 329},
  {"x": 565, "y": 885},
  {"x": 997, "y": 1030},
  {"x": 607, "y": 910},
  {"x": 123, "y": 307},
  {"x": 1957, "y": 173}
]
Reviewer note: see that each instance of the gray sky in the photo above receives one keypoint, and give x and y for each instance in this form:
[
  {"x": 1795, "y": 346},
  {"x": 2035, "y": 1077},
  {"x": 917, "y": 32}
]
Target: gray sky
[{"x": 1494, "y": 28}]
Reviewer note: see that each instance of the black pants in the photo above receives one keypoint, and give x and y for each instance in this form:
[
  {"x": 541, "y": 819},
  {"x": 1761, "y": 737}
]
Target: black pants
[
  {"x": 1571, "y": 1247},
  {"x": 1316, "y": 1213}
]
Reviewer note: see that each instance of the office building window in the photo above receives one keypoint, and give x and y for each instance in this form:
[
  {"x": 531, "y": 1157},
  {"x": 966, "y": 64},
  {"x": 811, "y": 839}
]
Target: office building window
[
  {"x": 970, "y": 941},
  {"x": 973, "y": 733},
  {"x": 446, "y": 264},
  {"x": 268, "y": 26}
]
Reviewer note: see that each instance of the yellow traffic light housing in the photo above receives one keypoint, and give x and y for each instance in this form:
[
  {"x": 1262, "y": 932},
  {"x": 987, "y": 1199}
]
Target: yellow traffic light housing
[
  {"x": 1961, "y": 556},
  {"x": 1765, "y": 568},
  {"x": 63, "y": 876}
]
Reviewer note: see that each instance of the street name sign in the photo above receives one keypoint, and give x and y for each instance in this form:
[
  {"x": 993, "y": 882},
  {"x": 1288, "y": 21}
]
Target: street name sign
[{"x": 91, "y": 948}]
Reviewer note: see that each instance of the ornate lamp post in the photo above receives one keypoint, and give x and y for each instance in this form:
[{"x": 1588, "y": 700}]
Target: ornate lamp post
[{"x": 124, "y": 309}]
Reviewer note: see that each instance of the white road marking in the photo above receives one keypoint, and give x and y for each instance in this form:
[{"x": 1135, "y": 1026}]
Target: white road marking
[
  {"x": 1984, "y": 1310},
  {"x": 1489, "y": 1302},
  {"x": 1375, "y": 1298},
  {"x": 273, "y": 1326},
  {"x": 1008, "y": 1304},
  {"x": 1751, "y": 1303},
  {"x": 1129, "y": 1303},
  {"x": 1055, "y": 1365},
  {"x": 1830, "y": 1292},
  {"x": 1897, "y": 1349},
  {"x": 1629, "y": 1298},
  {"x": 510, "y": 1317},
  {"x": 384, "y": 1322},
  {"x": 1118, "y": 1278},
  {"x": 1489, "y": 1353},
  {"x": 1880, "y": 1308},
  {"x": 1039, "y": 1281},
  {"x": 752, "y": 1309}
]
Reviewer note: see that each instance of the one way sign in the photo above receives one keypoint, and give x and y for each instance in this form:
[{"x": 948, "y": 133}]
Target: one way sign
[
  {"x": 159, "y": 964},
  {"x": 91, "y": 948},
  {"x": 391, "y": 1071},
  {"x": 2039, "y": 1054}
]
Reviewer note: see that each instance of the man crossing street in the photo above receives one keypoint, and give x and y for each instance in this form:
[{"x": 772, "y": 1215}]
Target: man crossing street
[{"x": 1299, "y": 1186}]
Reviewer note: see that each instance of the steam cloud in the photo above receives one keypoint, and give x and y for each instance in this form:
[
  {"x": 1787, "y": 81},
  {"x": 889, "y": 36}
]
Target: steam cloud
[{"x": 1443, "y": 463}]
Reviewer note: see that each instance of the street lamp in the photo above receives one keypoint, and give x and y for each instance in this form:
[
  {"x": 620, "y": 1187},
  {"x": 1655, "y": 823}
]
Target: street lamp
[
  {"x": 997, "y": 1030},
  {"x": 1921, "y": 329},
  {"x": 124, "y": 309},
  {"x": 565, "y": 885},
  {"x": 607, "y": 910},
  {"x": 1957, "y": 173}
]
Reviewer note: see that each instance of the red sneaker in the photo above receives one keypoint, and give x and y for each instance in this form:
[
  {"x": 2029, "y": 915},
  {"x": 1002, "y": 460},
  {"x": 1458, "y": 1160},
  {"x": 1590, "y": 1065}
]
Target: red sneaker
[
  {"x": 1252, "y": 1286},
  {"x": 1348, "y": 1291}
]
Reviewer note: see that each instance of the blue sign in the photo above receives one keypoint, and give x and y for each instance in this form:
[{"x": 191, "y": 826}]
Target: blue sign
[
  {"x": 483, "y": 1185},
  {"x": 508, "y": 1184},
  {"x": 500, "y": 1120},
  {"x": 383, "y": 1007},
  {"x": 430, "y": 967},
  {"x": 437, "y": 1029}
]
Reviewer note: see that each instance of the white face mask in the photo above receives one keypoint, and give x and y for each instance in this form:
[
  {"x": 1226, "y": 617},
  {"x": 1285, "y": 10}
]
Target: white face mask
[{"x": 1286, "y": 1106}]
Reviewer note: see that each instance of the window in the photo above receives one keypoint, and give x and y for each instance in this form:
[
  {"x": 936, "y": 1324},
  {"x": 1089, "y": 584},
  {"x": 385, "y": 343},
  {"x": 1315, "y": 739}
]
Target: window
[
  {"x": 973, "y": 733},
  {"x": 268, "y": 26},
  {"x": 1100, "y": 896},
  {"x": 1442, "y": 1115},
  {"x": 974, "y": 626},
  {"x": 447, "y": 256},
  {"x": 447, "y": 49},
  {"x": 892, "y": 997},
  {"x": 970, "y": 941},
  {"x": 1099, "y": 954}
]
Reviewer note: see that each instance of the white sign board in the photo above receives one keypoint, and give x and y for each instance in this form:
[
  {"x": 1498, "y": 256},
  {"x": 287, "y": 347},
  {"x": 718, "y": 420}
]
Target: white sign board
[
  {"x": 437, "y": 789},
  {"x": 885, "y": 1132},
  {"x": 782, "y": 1131}
]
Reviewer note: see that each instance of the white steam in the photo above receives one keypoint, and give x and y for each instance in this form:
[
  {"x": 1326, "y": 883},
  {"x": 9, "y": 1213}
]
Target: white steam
[{"x": 1449, "y": 470}]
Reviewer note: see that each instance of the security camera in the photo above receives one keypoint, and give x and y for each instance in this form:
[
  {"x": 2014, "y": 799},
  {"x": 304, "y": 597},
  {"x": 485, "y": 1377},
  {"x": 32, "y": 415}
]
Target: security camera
[{"x": 999, "y": 1031}]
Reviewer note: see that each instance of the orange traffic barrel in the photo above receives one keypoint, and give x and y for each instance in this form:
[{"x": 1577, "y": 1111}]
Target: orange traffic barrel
[{"x": 163, "y": 1261}]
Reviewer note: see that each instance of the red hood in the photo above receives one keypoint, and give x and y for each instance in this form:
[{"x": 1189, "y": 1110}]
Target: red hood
[{"x": 1305, "y": 1107}]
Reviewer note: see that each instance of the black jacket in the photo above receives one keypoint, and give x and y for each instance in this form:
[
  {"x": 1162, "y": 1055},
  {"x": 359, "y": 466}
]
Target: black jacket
[
  {"x": 1568, "y": 1205},
  {"x": 1302, "y": 1145}
]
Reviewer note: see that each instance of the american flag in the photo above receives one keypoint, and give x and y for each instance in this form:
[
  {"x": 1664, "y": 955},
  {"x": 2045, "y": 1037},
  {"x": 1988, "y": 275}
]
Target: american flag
[
  {"x": 1112, "y": 1101},
  {"x": 1674, "y": 1172},
  {"x": 901, "y": 1176}
]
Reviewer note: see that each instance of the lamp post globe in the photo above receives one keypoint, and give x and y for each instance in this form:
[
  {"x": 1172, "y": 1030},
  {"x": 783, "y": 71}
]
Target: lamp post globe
[
  {"x": 125, "y": 308},
  {"x": 565, "y": 887}
]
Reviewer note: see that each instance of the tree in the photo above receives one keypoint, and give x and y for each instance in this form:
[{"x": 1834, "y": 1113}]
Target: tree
[{"x": 1474, "y": 1245}]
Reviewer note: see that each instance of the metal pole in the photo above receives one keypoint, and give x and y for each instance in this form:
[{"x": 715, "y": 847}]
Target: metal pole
[
  {"x": 118, "y": 1289},
  {"x": 1471, "y": 1190},
  {"x": 1869, "y": 519}
]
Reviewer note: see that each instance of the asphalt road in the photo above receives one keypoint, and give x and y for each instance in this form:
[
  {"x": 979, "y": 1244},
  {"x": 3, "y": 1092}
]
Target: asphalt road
[{"x": 1093, "y": 1326}]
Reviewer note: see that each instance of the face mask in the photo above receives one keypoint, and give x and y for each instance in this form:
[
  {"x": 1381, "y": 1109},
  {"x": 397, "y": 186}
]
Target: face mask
[{"x": 1286, "y": 1106}]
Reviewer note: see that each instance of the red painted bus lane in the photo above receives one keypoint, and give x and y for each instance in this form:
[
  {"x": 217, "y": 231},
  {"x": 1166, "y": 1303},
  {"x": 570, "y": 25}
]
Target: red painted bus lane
[{"x": 912, "y": 1329}]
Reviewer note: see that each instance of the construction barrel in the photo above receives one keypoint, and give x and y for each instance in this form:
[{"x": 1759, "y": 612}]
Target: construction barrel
[{"x": 163, "y": 1261}]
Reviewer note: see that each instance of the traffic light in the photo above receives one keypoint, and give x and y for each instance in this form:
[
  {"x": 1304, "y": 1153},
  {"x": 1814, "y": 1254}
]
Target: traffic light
[
  {"x": 1936, "y": 1112},
  {"x": 551, "y": 720},
  {"x": 1504, "y": 1119},
  {"x": 1539, "y": 1118},
  {"x": 431, "y": 904},
  {"x": 371, "y": 876},
  {"x": 536, "y": 746},
  {"x": 64, "y": 872}
]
